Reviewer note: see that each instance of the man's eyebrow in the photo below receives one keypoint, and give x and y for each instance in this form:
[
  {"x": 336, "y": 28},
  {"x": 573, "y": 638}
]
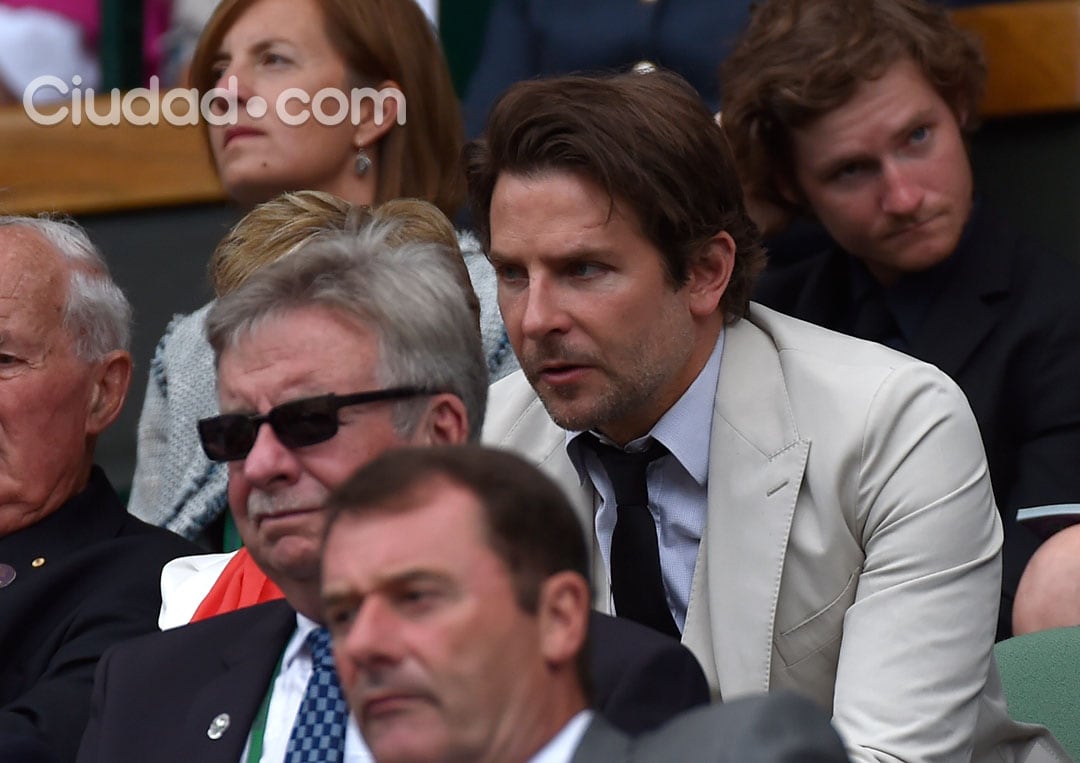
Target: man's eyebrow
[
  {"x": 578, "y": 253},
  {"x": 344, "y": 592},
  {"x": 917, "y": 119}
]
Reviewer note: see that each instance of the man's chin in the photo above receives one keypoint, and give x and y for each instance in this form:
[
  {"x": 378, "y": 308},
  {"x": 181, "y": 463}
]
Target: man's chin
[
  {"x": 291, "y": 557},
  {"x": 404, "y": 738},
  {"x": 568, "y": 416}
]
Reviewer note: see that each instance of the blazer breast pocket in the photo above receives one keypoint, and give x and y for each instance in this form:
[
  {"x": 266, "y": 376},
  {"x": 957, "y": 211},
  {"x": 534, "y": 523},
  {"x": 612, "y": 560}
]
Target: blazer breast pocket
[
  {"x": 818, "y": 632},
  {"x": 806, "y": 655}
]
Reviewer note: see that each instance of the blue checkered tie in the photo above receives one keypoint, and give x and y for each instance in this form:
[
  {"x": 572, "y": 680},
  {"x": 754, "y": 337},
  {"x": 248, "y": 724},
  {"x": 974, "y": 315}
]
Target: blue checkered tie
[{"x": 319, "y": 733}]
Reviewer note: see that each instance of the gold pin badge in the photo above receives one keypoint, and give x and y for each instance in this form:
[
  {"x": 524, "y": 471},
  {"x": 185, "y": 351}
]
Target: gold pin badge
[{"x": 39, "y": 562}]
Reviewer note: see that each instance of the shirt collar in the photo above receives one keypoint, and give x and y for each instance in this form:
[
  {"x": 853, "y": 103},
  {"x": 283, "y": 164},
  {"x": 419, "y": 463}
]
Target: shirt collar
[
  {"x": 679, "y": 429},
  {"x": 561, "y": 747},
  {"x": 304, "y": 626}
]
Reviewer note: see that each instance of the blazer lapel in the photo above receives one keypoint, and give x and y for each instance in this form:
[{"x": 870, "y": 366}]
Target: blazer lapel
[
  {"x": 247, "y": 667},
  {"x": 756, "y": 465}
]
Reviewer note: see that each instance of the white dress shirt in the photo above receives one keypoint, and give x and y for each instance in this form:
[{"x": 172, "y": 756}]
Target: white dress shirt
[
  {"x": 563, "y": 745},
  {"x": 678, "y": 485},
  {"x": 289, "y": 687}
]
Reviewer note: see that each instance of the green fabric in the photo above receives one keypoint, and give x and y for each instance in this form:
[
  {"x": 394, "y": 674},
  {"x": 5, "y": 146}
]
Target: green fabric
[
  {"x": 121, "y": 44},
  {"x": 462, "y": 32},
  {"x": 230, "y": 540},
  {"x": 1040, "y": 673}
]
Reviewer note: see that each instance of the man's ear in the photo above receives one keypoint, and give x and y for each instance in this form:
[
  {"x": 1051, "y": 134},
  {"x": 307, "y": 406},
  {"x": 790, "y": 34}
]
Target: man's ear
[
  {"x": 446, "y": 422},
  {"x": 709, "y": 273},
  {"x": 563, "y": 612},
  {"x": 370, "y": 130},
  {"x": 110, "y": 378}
]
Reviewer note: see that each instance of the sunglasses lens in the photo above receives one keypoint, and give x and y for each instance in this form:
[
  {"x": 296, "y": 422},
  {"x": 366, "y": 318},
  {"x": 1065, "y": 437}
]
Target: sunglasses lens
[
  {"x": 304, "y": 422},
  {"x": 228, "y": 437}
]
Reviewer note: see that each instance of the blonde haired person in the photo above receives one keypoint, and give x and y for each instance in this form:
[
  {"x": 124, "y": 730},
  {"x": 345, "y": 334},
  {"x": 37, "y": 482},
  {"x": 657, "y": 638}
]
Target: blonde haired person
[{"x": 404, "y": 140}]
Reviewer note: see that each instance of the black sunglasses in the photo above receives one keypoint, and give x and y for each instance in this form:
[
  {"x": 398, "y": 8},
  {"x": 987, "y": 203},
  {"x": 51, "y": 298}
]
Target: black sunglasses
[{"x": 231, "y": 436}]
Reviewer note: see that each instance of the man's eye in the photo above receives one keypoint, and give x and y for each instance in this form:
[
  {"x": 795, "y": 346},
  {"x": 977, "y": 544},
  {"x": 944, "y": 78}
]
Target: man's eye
[
  {"x": 585, "y": 269},
  {"x": 417, "y": 600},
  {"x": 509, "y": 273},
  {"x": 338, "y": 619},
  {"x": 919, "y": 134}
]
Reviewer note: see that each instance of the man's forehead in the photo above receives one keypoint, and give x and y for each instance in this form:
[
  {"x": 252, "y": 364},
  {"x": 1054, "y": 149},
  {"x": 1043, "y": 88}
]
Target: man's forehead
[
  {"x": 435, "y": 509},
  {"x": 32, "y": 273},
  {"x": 298, "y": 353}
]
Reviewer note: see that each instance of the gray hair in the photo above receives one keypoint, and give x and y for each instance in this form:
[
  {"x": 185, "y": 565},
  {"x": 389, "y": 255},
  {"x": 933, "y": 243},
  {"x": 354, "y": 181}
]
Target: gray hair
[
  {"x": 97, "y": 315},
  {"x": 411, "y": 295}
]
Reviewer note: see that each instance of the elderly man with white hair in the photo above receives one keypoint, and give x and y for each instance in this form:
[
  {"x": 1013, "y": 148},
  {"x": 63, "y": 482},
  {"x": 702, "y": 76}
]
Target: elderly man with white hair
[{"x": 77, "y": 573}]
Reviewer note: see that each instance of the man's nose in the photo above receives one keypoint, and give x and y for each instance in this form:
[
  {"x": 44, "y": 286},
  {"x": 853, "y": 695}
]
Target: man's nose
[
  {"x": 269, "y": 461},
  {"x": 902, "y": 194},
  {"x": 543, "y": 311},
  {"x": 373, "y": 637}
]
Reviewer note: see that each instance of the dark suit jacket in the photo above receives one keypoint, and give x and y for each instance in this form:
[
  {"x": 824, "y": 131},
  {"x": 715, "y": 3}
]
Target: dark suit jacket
[
  {"x": 775, "y": 728},
  {"x": 98, "y": 585},
  {"x": 155, "y": 697},
  {"x": 641, "y": 678},
  {"x": 1006, "y": 328},
  {"x": 542, "y": 38},
  {"x": 18, "y": 748}
]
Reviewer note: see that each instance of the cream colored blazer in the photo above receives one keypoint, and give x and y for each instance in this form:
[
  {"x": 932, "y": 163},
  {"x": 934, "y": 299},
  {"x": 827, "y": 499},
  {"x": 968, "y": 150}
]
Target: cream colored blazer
[{"x": 852, "y": 546}]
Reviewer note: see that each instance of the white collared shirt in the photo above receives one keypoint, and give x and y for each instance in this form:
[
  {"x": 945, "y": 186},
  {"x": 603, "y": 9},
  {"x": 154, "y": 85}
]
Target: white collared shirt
[
  {"x": 678, "y": 486},
  {"x": 289, "y": 687},
  {"x": 563, "y": 745}
]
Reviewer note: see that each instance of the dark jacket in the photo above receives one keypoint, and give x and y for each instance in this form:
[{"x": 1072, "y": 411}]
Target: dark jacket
[
  {"x": 155, "y": 697},
  {"x": 86, "y": 577}
]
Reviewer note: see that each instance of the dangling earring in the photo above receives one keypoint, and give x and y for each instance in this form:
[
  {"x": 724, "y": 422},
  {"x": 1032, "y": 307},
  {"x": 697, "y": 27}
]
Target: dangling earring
[{"x": 362, "y": 163}]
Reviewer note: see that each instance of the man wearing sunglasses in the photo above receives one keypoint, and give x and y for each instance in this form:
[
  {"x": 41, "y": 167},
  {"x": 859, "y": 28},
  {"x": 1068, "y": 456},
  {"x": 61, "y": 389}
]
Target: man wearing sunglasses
[
  {"x": 344, "y": 349},
  {"x": 326, "y": 358}
]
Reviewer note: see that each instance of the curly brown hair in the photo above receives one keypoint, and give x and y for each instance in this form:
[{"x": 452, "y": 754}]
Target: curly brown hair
[
  {"x": 800, "y": 59},
  {"x": 648, "y": 141}
]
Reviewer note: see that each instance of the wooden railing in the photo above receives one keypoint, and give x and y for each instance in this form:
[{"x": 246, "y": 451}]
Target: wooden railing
[
  {"x": 1032, "y": 50},
  {"x": 86, "y": 168},
  {"x": 1032, "y": 53}
]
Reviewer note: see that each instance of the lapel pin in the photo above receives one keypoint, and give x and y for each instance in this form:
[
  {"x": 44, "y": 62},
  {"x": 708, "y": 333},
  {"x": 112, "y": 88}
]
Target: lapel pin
[
  {"x": 7, "y": 574},
  {"x": 218, "y": 726},
  {"x": 38, "y": 562}
]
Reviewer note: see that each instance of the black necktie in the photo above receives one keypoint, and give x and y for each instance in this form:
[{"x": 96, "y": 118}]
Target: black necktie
[{"x": 636, "y": 582}]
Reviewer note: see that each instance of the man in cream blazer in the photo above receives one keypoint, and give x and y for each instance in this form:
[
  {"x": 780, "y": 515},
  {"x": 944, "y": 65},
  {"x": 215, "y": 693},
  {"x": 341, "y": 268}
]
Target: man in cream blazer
[{"x": 843, "y": 537}]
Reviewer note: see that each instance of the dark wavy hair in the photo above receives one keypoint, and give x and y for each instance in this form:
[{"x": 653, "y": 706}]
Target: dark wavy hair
[
  {"x": 800, "y": 59},
  {"x": 646, "y": 139}
]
